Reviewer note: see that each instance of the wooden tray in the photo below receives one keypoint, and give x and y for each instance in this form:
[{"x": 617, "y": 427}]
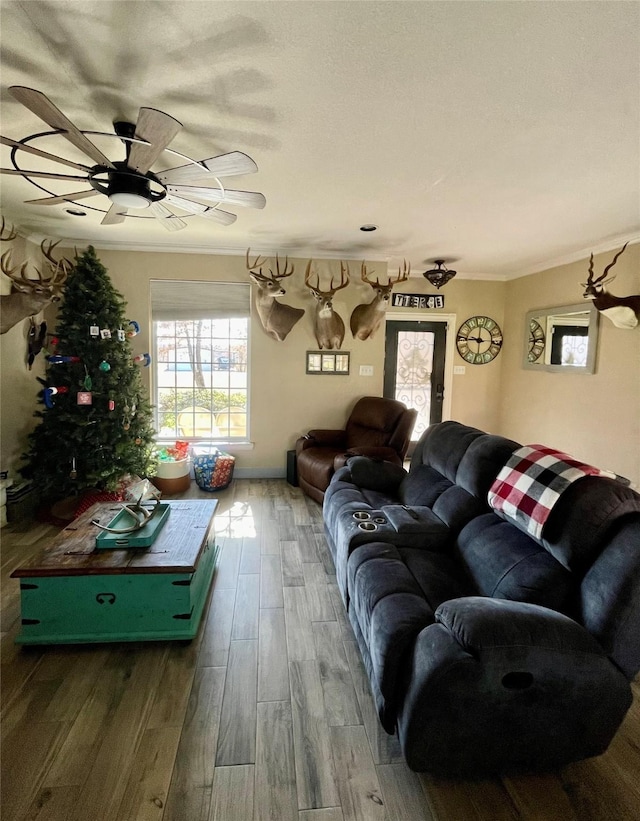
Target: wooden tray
[{"x": 144, "y": 537}]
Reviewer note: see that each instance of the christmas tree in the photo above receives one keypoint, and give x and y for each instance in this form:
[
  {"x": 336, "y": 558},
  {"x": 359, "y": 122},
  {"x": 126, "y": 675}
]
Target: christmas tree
[{"x": 96, "y": 424}]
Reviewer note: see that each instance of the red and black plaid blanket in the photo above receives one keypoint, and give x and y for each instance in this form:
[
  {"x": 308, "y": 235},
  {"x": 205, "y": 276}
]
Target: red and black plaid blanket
[{"x": 532, "y": 481}]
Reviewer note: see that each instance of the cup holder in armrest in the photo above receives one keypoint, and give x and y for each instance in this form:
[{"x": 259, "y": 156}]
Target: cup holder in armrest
[
  {"x": 361, "y": 515},
  {"x": 517, "y": 681},
  {"x": 368, "y": 526}
]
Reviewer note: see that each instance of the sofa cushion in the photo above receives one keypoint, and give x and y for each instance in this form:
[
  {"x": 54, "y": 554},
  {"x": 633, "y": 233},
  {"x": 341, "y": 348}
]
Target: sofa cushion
[
  {"x": 422, "y": 486},
  {"x": 584, "y": 517},
  {"x": 443, "y": 446},
  {"x": 502, "y": 562},
  {"x": 394, "y": 594},
  {"x": 482, "y": 462}
]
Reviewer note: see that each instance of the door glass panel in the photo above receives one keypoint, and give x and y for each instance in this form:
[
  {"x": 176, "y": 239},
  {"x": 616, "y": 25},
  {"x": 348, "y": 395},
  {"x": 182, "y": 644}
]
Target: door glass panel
[{"x": 414, "y": 369}]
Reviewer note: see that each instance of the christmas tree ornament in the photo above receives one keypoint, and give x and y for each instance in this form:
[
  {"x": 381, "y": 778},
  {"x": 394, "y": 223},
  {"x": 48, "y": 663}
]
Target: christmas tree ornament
[
  {"x": 104, "y": 366},
  {"x": 94, "y": 330},
  {"x": 111, "y": 405},
  {"x": 74, "y": 473},
  {"x": 138, "y": 440},
  {"x": 50, "y": 392},
  {"x": 143, "y": 359},
  {"x": 56, "y": 359},
  {"x": 84, "y": 398},
  {"x": 105, "y": 333},
  {"x": 135, "y": 328},
  {"x": 87, "y": 384},
  {"x": 121, "y": 335},
  {"x": 54, "y": 340}
]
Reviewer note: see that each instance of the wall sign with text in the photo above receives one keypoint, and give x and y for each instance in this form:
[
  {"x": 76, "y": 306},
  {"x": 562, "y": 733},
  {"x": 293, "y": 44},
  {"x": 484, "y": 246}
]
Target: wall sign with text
[{"x": 422, "y": 301}]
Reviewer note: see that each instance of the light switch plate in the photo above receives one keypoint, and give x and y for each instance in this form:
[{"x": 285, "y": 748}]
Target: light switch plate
[
  {"x": 366, "y": 370},
  {"x": 459, "y": 369}
]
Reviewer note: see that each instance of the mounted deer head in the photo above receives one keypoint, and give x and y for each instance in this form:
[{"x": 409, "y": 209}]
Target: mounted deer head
[
  {"x": 30, "y": 296},
  {"x": 366, "y": 318},
  {"x": 328, "y": 325},
  {"x": 624, "y": 311},
  {"x": 277, "y": 319}
]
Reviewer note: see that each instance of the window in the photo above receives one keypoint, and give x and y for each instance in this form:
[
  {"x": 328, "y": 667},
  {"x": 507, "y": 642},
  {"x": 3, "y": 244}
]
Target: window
[{"x": 200, "y": 362}]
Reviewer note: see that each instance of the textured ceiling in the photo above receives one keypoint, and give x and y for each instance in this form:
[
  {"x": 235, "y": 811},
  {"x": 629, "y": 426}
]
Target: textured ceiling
[{"x": 504, "y": 136}]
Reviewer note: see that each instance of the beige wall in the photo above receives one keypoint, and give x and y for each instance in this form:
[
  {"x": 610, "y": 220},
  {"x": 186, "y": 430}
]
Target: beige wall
[
  {"x": 18, "y": 386},
  {"x": 595, "y": 417},
  {"x": 285, "y": 401}
]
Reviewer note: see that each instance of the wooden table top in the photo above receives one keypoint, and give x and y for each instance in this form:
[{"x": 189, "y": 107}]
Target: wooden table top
[{"x": 176, "y": 550}]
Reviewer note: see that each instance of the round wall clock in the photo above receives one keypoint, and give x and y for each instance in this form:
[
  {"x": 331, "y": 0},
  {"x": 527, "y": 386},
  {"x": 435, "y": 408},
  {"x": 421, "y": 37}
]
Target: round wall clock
[
  {"x": 479, "y": 340},
  {"x": 536, "y": 341}
]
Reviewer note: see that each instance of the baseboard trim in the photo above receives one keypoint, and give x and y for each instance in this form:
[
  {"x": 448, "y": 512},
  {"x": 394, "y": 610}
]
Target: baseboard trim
[{"x": 260, "y": 473}]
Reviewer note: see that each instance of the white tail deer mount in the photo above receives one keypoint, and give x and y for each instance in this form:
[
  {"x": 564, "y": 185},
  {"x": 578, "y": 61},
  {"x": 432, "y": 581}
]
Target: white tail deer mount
[
  {"x": 623, "y": 311},
  {"x": 277, "y": 319},
  {"x": 30, "y": 296},
  {"x": 366, "y": 318},
  {"x": 328, "y": 325}
]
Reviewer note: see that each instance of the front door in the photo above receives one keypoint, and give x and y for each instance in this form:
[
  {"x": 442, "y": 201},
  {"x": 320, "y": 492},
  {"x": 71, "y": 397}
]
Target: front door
[{"x": 414, "y": 369}]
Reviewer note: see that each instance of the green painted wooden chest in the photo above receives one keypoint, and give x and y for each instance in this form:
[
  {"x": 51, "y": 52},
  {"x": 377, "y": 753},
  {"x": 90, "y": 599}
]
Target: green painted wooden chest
[{"x": 72, "y": 593}]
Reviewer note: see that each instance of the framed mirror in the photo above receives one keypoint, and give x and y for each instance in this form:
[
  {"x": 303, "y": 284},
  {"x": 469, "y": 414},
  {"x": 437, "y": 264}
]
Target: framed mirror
[{"x": 562, "y": 339}]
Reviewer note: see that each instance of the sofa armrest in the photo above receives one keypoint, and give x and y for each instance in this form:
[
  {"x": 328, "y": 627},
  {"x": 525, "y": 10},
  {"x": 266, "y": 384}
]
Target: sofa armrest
[
  {"x": 478, "y": 623},
  {"x": 374, "y": 474},
  {"x": 418, "y": 520},
  {"x": 324, "y": 437},
  {"x": 381, "y": 453},
  {"x": 496, "y": 685}
]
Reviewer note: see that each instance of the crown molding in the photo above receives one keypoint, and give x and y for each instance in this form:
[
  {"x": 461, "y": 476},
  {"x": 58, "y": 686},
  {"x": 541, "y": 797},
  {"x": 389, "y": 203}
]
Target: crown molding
[
  {"x": 613, "y": 244},
  {"x": 298, "y": 252}
]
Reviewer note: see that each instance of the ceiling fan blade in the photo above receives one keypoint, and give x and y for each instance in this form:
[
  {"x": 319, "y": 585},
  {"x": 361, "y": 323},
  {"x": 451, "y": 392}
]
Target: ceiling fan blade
[
  {"x": 223, "y": 217},
  {"x": 114, "y": 215},
  {"x": 158, "y": 129},
  {"x": 167, "y": 219},
  {"x": 79, "y": 195},
  {"x": 223, "y": 166},
  {"x": 42, "y": 174},
  {"x": 42, "y": 107},
  {"x": 52, "y": 157},
  {"x": 248, "y": 199}
]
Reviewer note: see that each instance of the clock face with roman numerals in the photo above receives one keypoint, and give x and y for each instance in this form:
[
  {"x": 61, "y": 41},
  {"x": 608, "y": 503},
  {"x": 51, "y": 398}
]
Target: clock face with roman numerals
[
  {"x": 479, "y": 340},
  {"x": 536, "y": 341}
]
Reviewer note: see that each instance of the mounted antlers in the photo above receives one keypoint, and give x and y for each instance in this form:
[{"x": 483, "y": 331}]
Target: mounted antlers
[
  {"x": 30, "y": 296},
  {"x": 366, "y": 318},
  {"x": 624, "y": 311},
  {"x": 277, "y": 319},
  {"x": 328, "y": 325}
]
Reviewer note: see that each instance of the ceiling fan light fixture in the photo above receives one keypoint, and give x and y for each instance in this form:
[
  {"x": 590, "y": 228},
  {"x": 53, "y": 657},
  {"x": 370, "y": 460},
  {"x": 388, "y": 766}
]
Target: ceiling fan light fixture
[
  {"x": 129, "y": 200},
  {"x": 439, "y": 276}
]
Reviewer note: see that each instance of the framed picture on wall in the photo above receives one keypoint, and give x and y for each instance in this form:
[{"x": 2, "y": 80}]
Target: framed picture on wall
[{"x": 328, "y": 362}]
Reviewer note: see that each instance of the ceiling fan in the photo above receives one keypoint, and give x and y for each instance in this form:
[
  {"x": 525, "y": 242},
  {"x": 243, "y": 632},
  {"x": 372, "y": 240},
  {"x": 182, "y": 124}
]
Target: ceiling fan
[{"x": 193, "y": 188}]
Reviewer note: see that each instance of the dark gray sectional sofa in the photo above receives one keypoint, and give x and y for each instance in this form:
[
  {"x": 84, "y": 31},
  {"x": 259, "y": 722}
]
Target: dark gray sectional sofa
[{"x": 487, "y": 650}]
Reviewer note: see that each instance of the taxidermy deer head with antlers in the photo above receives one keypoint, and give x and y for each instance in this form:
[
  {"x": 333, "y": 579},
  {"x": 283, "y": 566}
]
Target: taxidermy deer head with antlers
[
  {"x": 277, "y": 319},
  {"x": 328, "y": 325},
  {"x": 29, "y": 296},
  {"x": 366, "y": 318},
  {"x": 624, "y": 311}
]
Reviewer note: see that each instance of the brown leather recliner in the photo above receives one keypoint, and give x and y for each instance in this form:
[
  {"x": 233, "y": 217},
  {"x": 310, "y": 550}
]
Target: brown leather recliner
[{"x": 379, "y": 428}]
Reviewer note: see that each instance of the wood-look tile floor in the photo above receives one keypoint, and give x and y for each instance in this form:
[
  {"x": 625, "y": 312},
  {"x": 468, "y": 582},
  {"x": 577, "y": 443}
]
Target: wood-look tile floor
[{"x": 265, "y": 716}]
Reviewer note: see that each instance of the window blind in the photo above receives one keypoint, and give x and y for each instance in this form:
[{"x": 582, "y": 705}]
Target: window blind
[{"x": 180, "y": 300}]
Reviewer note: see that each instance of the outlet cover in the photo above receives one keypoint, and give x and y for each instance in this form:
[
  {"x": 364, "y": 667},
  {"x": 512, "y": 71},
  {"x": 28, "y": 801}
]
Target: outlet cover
[{"x": 459, "y": 369}]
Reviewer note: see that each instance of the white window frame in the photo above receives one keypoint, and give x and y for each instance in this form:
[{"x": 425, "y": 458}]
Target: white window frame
[{"x": 228, "y": 443}]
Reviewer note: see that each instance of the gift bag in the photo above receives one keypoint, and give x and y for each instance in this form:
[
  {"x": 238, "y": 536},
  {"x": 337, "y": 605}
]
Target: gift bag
[{"x": 213, "y": 470}]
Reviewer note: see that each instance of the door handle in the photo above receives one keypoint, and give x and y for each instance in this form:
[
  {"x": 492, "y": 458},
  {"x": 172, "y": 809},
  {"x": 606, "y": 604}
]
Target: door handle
[{"x": 439, "y": 392}]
